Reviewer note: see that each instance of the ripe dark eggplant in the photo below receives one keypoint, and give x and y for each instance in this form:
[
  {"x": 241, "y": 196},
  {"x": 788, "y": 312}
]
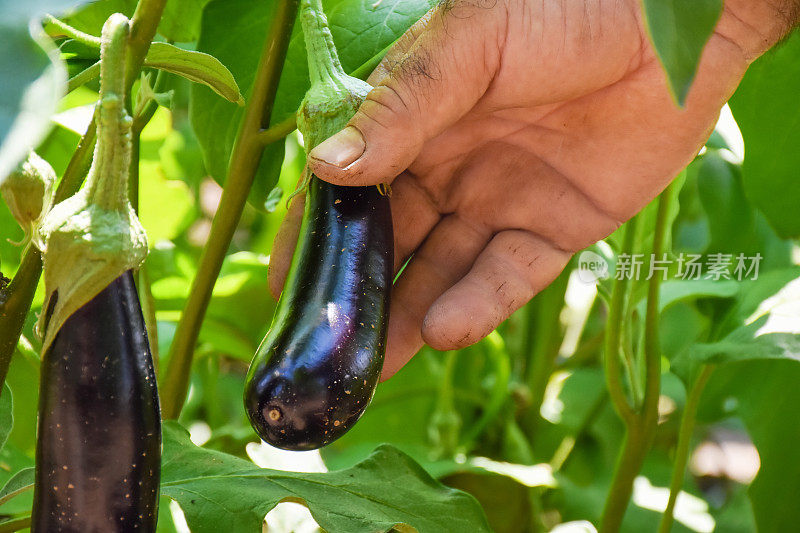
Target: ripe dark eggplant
[
  {"x": 98, "y": 450},
  {"x": 317, "y": 368}
]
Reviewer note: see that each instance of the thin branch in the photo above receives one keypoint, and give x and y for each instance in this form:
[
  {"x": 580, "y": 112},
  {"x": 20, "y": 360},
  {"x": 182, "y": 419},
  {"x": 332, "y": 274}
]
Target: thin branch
[
  {"x": 278, "y": 131},
  {"x": 241, "y": 172},
  {"x": 83, "y": 77},
  {"x": 612, "y": 339},
  {"x": 144, "y": 24},
  {"x": 684, "y": 442},
  {"x": 65, "y": 29}
]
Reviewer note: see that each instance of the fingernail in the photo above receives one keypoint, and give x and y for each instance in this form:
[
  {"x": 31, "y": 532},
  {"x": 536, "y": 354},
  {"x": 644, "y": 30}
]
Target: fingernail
[{"x": 342, "y": 149}]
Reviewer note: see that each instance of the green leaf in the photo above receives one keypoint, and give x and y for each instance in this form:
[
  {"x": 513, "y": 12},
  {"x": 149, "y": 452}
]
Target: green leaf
[
  {"x": 747, "y": 343},
  {"x": 6, "y": 414},
  {"x": 32, "y": 80},
  {"x": 731, "y": 218},
  {"x": 20, "y": 482},
  {"x": 766, "y": 109},
  {"x": 679, "y": 29},
  {"x": 195, "y": 66},
  {"x": 91, "y": 17},
  {"x": 360, "y": 29},
  {"x": 766, "y": 396},
  {"x": 180, "y": 21},
  {"x": 220, "y": 492},
  {"x": 771, "y": 332},
  {"x": 674, "y": 291},
  {"x": 216, "y": 121}
]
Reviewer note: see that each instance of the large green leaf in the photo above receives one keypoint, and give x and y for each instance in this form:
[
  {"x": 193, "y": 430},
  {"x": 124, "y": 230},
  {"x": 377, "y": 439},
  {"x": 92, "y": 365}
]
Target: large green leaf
[
  {"x": 181, "y": 20},
  {"x": 91, "y": 17},
  {"x": 679, "y": 29},
  {"x": 766, "y": 397},
  {"x": 361, "y": 29},
  {"x": 220, "y": 492},
  {"x": 32, "y": 80},
  {"x": 766, "y": 108},
  {"x": 770, "y": 332},
  {"x": 731, "y": 218}
]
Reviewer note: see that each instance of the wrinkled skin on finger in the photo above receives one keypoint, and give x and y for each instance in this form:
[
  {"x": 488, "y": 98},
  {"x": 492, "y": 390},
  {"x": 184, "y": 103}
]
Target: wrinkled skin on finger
[{"x": 515, "y": 133}]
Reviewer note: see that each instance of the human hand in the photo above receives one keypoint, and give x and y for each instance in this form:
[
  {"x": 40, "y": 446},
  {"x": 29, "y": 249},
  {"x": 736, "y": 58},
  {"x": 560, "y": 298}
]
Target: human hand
[{"x": 513, "y": 135}]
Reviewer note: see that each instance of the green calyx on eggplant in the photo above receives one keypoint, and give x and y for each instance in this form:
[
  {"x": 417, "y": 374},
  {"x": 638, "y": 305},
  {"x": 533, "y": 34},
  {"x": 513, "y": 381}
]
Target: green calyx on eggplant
[
  {"x": 98, "y": 449},
  {"x": 317, "y": 368},
  {"x": 92, "y": 237}
]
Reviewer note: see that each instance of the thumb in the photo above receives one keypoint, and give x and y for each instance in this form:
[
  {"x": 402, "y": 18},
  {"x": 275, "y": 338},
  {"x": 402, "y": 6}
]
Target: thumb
[{"x": 443, "y": 66}]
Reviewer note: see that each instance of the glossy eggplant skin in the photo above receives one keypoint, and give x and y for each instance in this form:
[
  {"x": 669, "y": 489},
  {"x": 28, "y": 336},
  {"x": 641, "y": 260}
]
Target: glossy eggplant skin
[
  {"x": 98, "y": 451},
  {"x": 317, "y": 368}
]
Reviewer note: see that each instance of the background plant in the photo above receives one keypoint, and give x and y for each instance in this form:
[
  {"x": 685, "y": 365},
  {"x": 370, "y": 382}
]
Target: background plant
[{"x": 579, "y": 400}]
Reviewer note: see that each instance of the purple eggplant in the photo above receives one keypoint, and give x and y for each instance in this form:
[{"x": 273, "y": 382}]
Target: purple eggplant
[
  {"x": 317, "y": 368},
  {"x": 98, "y": 450}
]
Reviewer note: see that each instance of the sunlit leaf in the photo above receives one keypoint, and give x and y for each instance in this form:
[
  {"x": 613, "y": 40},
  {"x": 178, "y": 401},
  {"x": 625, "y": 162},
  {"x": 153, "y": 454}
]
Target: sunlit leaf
[
  {"x": 32, "y": 80},
  {"x": 766, "y": 110},
  {"x": 220, "y": 492},
  {"x": 679, "y": 29},
  {"x": 195, "y": 66}
]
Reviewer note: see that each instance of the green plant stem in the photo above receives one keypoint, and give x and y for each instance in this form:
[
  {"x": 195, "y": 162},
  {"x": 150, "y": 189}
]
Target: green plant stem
[
  {"x": 278, "y": 131},
  {"x": 613, "y": 334},
  {"x": 72, "y": 33},
  {"x": 15, "y": 524},
  {"x": 144, "y": 24},
  {"x": 445, "y": 423},
  {"x": 241, "y": 172},
  {"x": 629, "y": 462},
  {"x": 78, "y": 165},
  {"x": 631, "y": 366},
  {"x": 140, "y": 120},
  {"x": 682, "y": 448},
  {"x": 640, "y": 424},
  {"x": 543, "y": 340},
  {"x": 83, "y": 77},
  {"x": 14, "y": 306}
]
